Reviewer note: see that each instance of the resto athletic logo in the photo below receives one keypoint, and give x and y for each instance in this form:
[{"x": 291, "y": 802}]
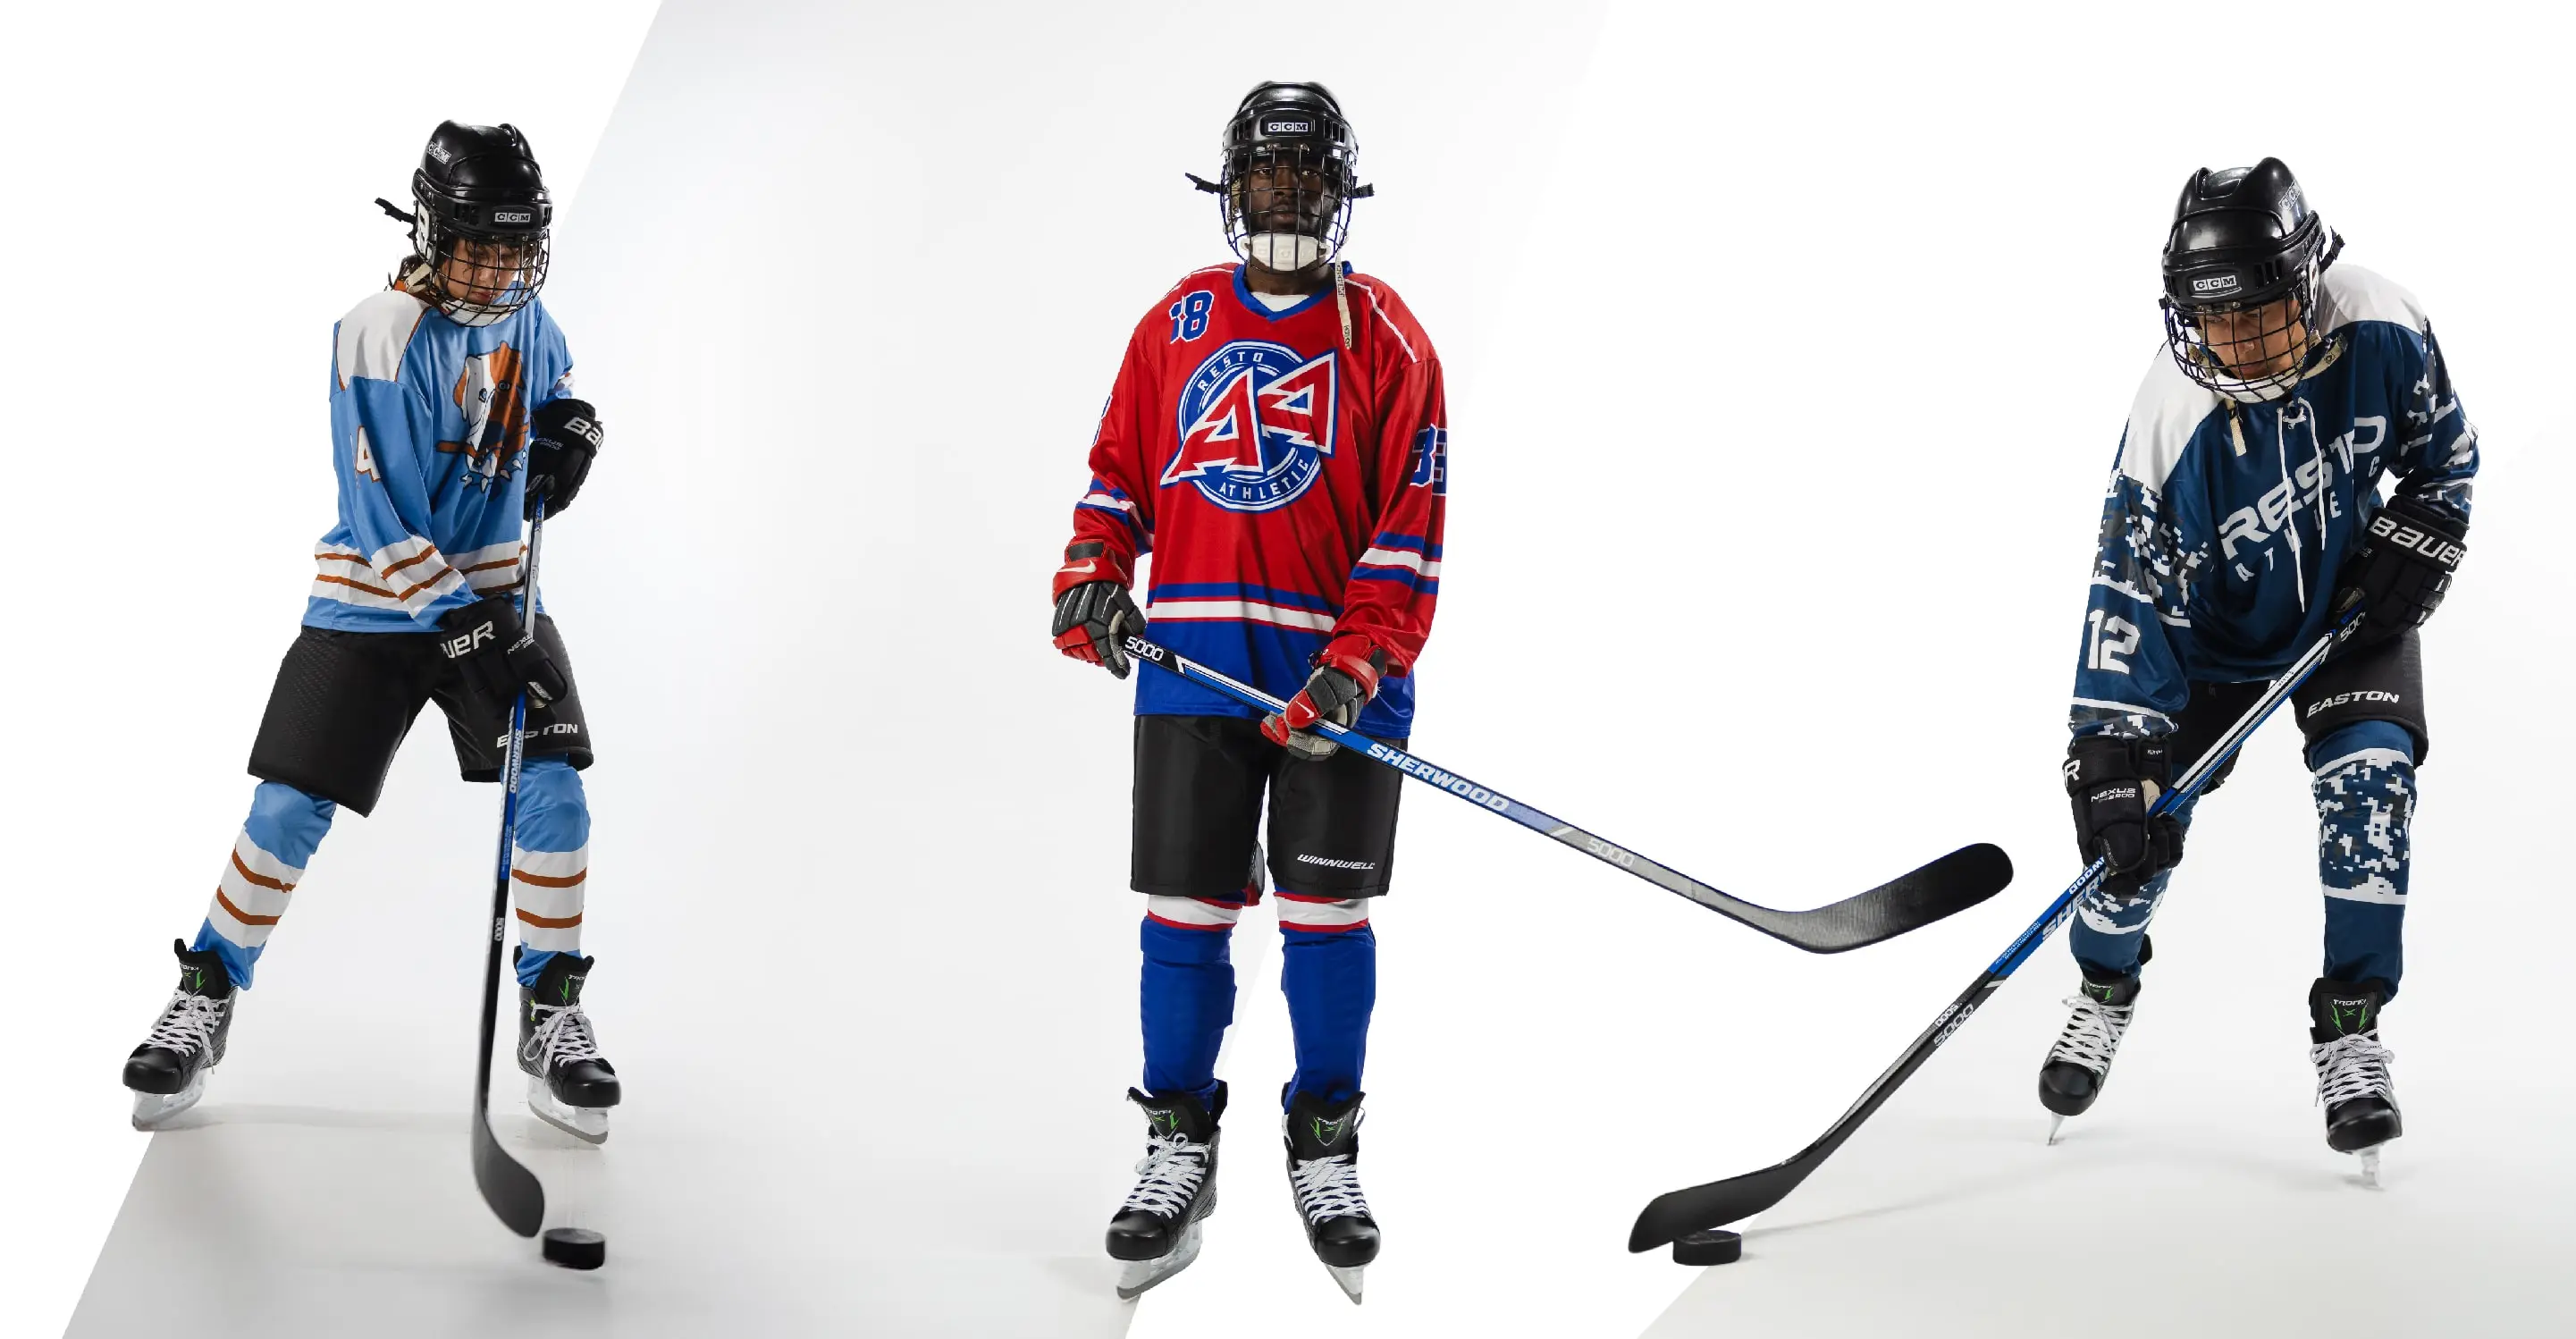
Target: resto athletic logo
[{"x": 1256, "y": 422}]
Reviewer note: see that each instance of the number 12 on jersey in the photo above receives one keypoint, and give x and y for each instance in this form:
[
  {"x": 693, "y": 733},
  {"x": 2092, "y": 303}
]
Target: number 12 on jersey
[{"x": 2113, "y": 637}]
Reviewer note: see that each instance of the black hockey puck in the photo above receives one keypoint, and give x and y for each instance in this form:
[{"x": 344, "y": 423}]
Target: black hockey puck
[
  {"x": 1717, "y": 1246},
  {"x": 581, "y": 1248}
]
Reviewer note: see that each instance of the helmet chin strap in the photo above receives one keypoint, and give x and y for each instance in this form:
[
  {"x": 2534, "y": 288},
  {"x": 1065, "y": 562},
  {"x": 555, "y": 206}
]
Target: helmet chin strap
[{"x": 1301, "y": 251}]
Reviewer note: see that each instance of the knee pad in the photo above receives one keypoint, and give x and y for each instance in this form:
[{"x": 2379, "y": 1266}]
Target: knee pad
[
  {"x": 1322, "y": 915},
  {"x": 554, "y": 811}
]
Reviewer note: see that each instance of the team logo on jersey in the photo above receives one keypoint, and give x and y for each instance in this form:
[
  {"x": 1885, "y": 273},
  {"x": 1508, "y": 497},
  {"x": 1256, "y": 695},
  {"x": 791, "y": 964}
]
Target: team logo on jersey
[
  {"x": 1257, "y": 422},
  {"x": 491, "y": 394}
]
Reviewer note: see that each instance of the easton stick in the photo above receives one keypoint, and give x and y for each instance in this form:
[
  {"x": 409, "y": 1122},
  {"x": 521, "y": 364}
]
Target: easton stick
[
  {"x": 513, "y": 1192},
  {"x": 1717, "y": 1203},
  {"x": 1949, "y": 885}
]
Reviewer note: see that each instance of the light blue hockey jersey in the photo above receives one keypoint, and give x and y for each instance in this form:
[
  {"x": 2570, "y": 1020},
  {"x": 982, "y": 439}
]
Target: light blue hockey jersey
[
  {"x": 2227, "y": 523},
  {"x": 429, "y": 435}
]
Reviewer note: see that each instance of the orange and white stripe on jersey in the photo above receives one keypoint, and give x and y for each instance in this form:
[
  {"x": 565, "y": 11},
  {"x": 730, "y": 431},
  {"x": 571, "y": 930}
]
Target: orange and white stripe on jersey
[
  {"x": 494, "y": 567},
  {"x": 408, "y": 574}
]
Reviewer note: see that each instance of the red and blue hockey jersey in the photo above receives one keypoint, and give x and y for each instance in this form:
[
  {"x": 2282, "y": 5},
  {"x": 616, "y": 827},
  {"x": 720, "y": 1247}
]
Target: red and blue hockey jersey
[{"x": 1291, "y": 487}]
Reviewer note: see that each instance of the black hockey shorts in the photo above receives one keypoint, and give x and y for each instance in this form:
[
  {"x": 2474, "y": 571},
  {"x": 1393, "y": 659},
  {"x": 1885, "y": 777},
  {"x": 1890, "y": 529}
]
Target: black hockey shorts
[
  {"x": 1199, "y": 784},
  {"x": 2378, "y": 683},
  {"x": 344, "y": 701}
]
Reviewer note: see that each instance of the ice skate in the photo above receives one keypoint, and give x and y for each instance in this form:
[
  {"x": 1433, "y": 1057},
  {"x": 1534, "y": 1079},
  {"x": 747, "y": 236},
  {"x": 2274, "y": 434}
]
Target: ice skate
[
  {"x": 1324, "y": 1175},
  {"x": 1157, "y": 1230},
  {"x": 2353, "y": 1082},
  {"x": 168, "y": 1071},
  {"x": 2080, "y": 1061},
  {"x": 570, "y": 1085}
]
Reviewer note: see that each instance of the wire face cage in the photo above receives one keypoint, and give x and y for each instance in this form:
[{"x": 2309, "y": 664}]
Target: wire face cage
[
  {"x": 2240, "y": 281},
  {"x": 1291, "y": 174},
  {"x": 480, "y": 223}
]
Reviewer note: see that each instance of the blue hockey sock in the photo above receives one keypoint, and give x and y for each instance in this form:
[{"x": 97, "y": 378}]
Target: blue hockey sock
[
  {"x": 549, "y": 863},
  {"x": 1185, "y": 996},
  {"x": 2365, "y": 792},
  {"x": 1330, "y": 979},
  {"x": 276, "y": 842}
]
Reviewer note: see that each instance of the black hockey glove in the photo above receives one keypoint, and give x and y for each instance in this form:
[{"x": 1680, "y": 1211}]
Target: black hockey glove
[
  {"x": 1092, "y": 621},
  {"x": 563, "y": 435},
  {"x": 2112, "y": 782},
  {"x": 2403, "y": 568},
  {"x": 497, "y": 655},
  {"x": 1345, "y": 678}
]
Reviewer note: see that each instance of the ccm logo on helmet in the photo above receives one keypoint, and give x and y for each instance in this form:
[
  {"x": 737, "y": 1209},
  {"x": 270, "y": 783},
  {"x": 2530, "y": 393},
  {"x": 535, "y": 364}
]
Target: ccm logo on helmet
[
  {"x": 513, "y": 216},
  {"x": 2436, "y": 549},
  {"x": 1289, "y": 128},
  {"x": 2363, "y": 695},
  {"x": 2216, "y": 283}
]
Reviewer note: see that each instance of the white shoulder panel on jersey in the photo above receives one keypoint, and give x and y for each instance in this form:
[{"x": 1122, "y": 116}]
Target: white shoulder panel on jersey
[
  {"x": 2170, "y": 407},
  {"x": 2349, "y": 293},
  {"x": 374, "y": 334}
]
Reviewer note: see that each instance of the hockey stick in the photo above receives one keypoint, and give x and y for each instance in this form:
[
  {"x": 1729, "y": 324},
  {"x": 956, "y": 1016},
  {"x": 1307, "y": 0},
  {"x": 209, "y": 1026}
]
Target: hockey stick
[
  {"x": 1949, "y": 885},
  {"x": 1718, "y": 1203},
  {"x": 515, "y": 1194}
]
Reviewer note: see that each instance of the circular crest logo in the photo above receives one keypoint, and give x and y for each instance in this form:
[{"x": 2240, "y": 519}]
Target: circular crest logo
[{"x": 1256, "y": 422}]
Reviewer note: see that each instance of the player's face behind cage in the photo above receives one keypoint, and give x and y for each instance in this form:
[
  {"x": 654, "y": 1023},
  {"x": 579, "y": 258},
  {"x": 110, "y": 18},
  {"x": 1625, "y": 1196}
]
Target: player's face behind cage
[
  {"x": 488, "y": 275},
  {"x": 2254, "y": 347},
  {"x": 1286, "y": 206}
]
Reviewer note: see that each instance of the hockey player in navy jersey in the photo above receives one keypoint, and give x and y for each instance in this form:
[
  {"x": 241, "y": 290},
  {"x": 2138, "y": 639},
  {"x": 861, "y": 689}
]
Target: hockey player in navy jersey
[
  {"x": 1276, "y": 440},
  {"x": 2244, "y": 518},
  {"x": 452, "y": 416}
]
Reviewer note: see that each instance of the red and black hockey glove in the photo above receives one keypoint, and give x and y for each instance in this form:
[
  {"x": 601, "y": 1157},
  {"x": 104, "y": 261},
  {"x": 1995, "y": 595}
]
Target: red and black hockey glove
[
  {"x": 498, "y": 655},
  {"x": 2402, "y": 569},
  {"x": 2113, "y": 782},
  {"x": 1345, "y": 678},
  {"x": 1093, "y": 612},
  {"x": 563, "y": 436}
]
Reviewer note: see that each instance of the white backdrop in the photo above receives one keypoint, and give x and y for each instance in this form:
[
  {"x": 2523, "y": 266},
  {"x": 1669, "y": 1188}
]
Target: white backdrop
[{"x": 1787, "y": 355}]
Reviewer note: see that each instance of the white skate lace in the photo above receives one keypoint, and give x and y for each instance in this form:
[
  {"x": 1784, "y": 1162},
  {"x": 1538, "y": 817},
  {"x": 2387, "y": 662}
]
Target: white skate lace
[
  {"x": 1170, "y": 1174},
  {"x": 2092, "y": 1034},
  {"x": 188, "y": 1024},
  {"x": 2350, "y": 1067},
  {"x": 1328, "y": 1187},
  {"x": 562, "y": 1034}
]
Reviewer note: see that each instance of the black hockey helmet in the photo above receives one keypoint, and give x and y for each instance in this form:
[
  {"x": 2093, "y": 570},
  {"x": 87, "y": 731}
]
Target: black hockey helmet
[
  {"x": 2243, "y": 239},
  {"x": 479, "y": 186},
  {"x": 1295, "y": 140}
]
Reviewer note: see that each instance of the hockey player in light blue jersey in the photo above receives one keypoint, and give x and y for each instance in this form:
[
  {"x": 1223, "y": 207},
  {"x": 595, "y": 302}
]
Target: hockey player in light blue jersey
[
  {"x": 2244, "y": 517},
  {"x": 451, "y": 416}
]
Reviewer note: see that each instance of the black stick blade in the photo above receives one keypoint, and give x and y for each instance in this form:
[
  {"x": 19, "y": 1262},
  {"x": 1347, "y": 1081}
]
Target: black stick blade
[
  {"x": 1679, "y": 1213},
  {"x": 513, "y": 1191},
  {"x": 1944, "y": 888}
]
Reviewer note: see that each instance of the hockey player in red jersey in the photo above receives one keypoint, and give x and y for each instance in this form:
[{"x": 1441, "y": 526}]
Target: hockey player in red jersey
[{"x": 1276, "y": 439}]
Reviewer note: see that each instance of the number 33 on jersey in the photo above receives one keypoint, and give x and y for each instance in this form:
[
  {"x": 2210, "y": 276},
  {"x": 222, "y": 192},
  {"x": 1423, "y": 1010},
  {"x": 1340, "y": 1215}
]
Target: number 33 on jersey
[{"x": 1291, "y": 488}]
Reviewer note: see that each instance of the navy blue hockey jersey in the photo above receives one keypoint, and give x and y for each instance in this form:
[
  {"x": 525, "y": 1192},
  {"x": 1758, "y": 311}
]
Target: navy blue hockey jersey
[{"x": 2227, "y": 523}]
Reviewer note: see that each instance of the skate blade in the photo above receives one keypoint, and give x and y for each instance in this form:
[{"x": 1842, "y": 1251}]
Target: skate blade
[
  {"x": 2054, "y": 1123},
  {"x": 587, "y": 1124},
  {"x": 2370, "y": 1167},
  {"x": 1140, "y": 1275},
  {"x": 153, "y": 1110},
  {"x": 1350, "y": 1278}
]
